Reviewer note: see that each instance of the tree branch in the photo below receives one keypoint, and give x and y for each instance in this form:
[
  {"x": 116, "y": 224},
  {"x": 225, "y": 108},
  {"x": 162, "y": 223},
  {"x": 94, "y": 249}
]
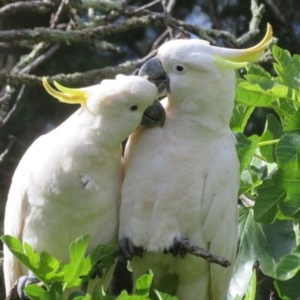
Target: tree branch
[
  {"x": 31, "y": 6},
  {"x": 205, "y": 254},
  {"x": 82, "y": 79}
]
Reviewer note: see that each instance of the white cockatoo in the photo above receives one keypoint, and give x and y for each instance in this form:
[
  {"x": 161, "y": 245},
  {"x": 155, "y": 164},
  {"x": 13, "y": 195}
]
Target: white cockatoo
[
  {"x": 68, "y": 182},
  {"x": 181, "y": 180}
]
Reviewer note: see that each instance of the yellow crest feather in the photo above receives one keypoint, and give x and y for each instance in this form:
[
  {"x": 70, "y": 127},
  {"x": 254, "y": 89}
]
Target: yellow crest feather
[
  {"x": 237, "y": 58},
  {"x": 66, "y": 95},
  {"x": 255, "y": 52}
]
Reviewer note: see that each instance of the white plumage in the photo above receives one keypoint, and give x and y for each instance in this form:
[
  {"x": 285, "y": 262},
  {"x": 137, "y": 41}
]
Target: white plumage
[
  {"x": 181, "y": 181},
  {"x": 68, "y": 182}
]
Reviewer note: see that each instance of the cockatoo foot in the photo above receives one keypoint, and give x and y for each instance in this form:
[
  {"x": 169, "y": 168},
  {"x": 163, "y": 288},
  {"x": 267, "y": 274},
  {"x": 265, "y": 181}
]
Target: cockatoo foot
[
  {"x": 127, "y": 250},
  {"x": 22, "y": 282},
  {"x": 179, "y": 247}
]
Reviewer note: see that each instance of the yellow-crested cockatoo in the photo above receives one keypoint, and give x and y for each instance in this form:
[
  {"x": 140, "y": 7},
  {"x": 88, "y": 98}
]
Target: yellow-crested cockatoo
[
  {"x": 181, "y": 180},
  {"x": 68, "y": 182}
]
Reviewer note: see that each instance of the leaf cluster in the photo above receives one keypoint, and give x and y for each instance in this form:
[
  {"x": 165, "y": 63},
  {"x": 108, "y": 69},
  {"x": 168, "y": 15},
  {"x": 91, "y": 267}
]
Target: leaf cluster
[
  {"x": 270, "y": 174},
  {"x": 58, "y": 277},
  {"x": 60, "y": 280}
]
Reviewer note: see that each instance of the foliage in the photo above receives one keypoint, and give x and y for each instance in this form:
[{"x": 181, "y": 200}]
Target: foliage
[
  {"x": 270, "y": 163},
  {"x": 58, "y": 277},
  {"x": 270, "y": 175}
]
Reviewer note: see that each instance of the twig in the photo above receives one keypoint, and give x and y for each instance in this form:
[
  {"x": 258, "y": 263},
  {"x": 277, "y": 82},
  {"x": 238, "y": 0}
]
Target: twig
[
  {"x": 170, "y": 6},
  {"x": 5, "y": 152},
  {"x": 55, "y": 17},
  {"x": 257, "y": 14},
  {"x": 247, "y": 37},
  {"x": 5, "y": 101},
  {"x": 39, "y": 60},
  {"x": 159, "y": 40},
  {"x": 14, "y": 107},
  {"x": 205, "y": 254},
  {"x": 141, "y": 8}
]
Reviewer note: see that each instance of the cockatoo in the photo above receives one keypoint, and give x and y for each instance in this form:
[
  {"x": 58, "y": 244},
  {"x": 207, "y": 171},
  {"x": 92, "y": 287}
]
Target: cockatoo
[
  {"x": 68, "y": 182},
  {"x": 181, "y": 180}
]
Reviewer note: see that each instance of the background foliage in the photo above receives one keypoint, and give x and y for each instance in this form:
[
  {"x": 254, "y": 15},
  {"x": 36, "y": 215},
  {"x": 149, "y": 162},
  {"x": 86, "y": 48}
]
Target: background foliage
[{"x": 81, "y": 42}]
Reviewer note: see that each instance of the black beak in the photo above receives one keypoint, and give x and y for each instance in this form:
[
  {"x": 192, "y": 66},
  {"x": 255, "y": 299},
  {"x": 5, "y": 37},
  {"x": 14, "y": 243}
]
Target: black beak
[
  {"x": 154, "y": 72},
  {"x": 154, "y": 115}
]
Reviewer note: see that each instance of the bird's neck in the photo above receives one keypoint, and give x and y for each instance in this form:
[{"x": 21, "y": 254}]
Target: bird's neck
[{"x": 209, "y": 116}]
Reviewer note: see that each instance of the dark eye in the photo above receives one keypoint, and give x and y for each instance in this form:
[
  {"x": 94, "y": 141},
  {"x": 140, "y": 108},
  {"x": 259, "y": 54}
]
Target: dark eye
[
  {"x": 133, "y": 107},
  {"x": 179, "y": 68}
]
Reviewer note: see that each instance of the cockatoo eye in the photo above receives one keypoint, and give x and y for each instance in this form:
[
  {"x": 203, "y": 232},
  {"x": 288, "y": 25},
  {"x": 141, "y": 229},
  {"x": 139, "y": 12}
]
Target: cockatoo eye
[
  {"x": 133, "y": 107},
  {"x": 179, "y": 69}
]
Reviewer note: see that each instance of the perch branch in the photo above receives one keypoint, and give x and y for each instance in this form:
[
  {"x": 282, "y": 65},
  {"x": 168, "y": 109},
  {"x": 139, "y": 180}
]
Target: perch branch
[{"x": 205, "y": 254}]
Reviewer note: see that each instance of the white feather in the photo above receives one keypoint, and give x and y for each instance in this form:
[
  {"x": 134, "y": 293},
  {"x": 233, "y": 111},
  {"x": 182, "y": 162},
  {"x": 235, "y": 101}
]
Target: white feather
[
  {"x": 181, "y": 180},
  {"x": 68, "y": 182}
]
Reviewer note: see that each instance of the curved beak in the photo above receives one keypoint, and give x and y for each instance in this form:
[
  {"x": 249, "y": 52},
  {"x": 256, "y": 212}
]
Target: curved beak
[
  {"x": 154, "y": 72},
  {"x": 154, "y": 115}
]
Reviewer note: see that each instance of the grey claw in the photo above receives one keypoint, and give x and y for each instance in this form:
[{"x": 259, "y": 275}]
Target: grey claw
[
  {"x": 22, "y": 282},
  {"x": 179, "y": 247},
  {"x": 127, "y": 250}
]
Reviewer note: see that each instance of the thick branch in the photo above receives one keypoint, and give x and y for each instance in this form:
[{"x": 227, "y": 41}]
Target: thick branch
[
  {"x": 31, "y": 6},
  {"x": 86, "y": 35},
  {"x": 78, "y": 79}
]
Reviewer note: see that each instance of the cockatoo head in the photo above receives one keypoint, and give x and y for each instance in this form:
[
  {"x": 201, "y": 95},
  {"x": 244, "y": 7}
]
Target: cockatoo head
[
  {"x": 197, "y": 72},
  {"x": 126, "y": 99}
]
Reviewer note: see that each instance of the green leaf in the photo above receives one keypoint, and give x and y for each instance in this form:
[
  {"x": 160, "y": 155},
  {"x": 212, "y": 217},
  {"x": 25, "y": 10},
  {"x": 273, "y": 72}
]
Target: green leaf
[
  {"x": 253, "y": 95},
  {"x": 79, "y": 265},
  {"x": 106, "y": 254},
  {"x": 253, "y": 247},
  {"x": 168, "y": 284},
  {"x": 287, "y": 148},
  {"x": 45, "y": 267},
  {"x": 143, "y": 284},
  {"x": 266, "y": 205},
  {"x": 288, "y": 266},
  {"x": 290, "y": 207},
  {"x": 293, "y": 126},
  {"x": 81, "y": 297},
  {"x": 246, "y": 148},
  {"x": 164, "y": 296},
  {"x": 273, "y": 131},
  {"x": 36, "y": 292},
  {"x": 251, "y": 290},
  {"x": 125, "y": 296},
  {"x": 287, "y": 67},
  {"x": 288, "y": 290},
  {"x": 240, "y": 117},
  {"x": 288, "y": 178},
  {"x": 255, "y": 69}
]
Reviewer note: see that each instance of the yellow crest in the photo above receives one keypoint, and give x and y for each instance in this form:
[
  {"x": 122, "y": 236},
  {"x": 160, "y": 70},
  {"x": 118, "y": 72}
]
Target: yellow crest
[
  {"x": 237, "y": 58},
  {"x": 64, "y": 94}
]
